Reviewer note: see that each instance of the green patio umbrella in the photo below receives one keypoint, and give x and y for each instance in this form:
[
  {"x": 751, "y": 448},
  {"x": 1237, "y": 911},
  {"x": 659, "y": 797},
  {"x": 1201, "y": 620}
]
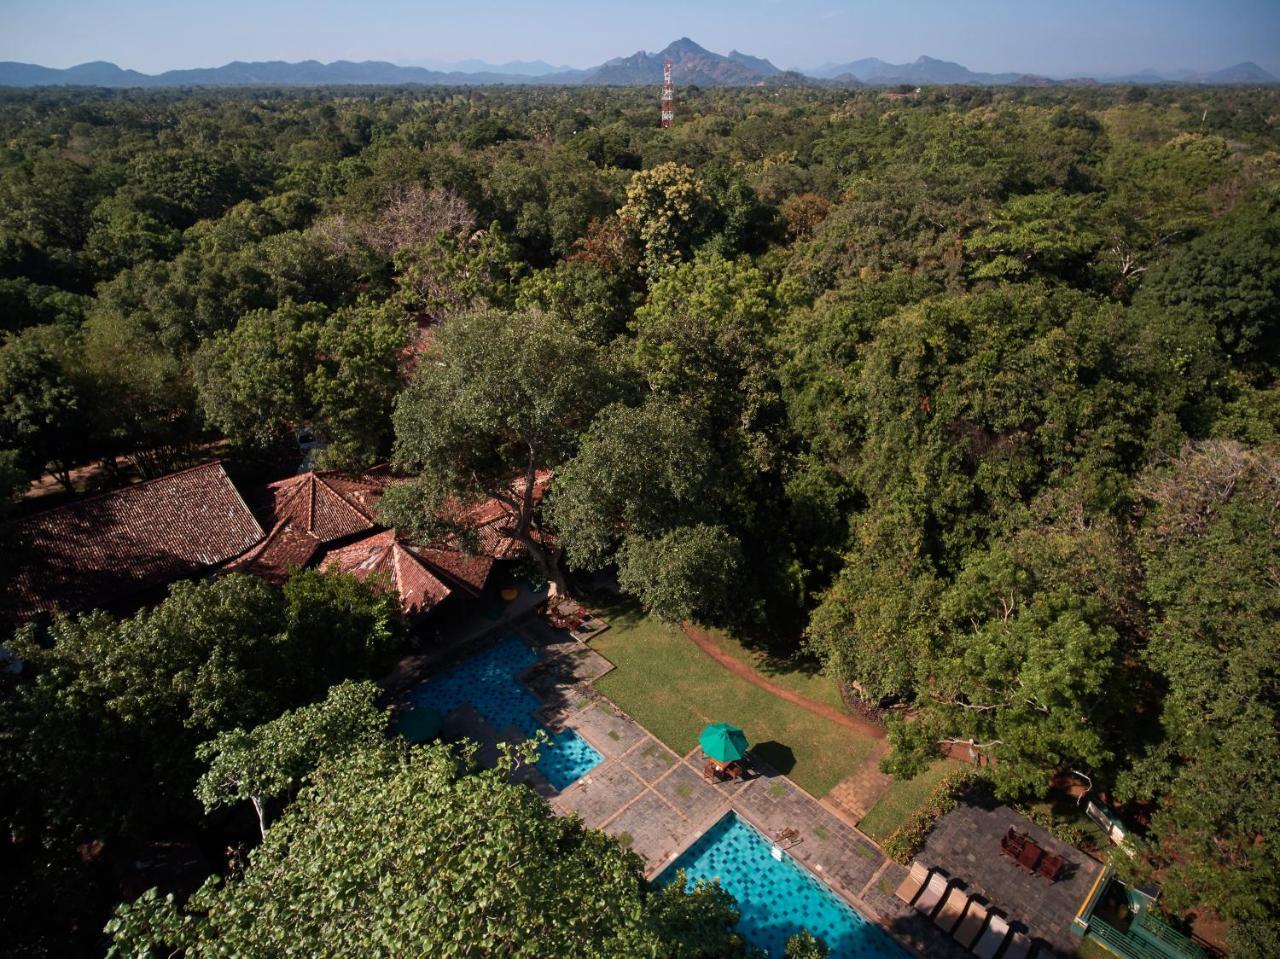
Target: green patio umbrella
[
  {"x": 724, "y": 743},
  {"x": 419, "y": 724}
]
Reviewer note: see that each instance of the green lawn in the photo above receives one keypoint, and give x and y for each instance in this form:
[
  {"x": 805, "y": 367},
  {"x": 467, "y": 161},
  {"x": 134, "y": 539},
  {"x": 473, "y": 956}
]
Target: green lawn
[
  {"x": 674, "y": 690},
  {"x": 902, "y": 799},
  {"x": 798, "y": 674}
]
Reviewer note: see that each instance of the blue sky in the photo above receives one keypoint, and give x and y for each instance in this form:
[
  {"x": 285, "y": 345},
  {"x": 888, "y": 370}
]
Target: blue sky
[{"x": 1041, "y": 36}]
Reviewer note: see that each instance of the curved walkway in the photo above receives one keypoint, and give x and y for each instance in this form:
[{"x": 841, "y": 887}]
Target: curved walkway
[{"x": 742, "y": 670}]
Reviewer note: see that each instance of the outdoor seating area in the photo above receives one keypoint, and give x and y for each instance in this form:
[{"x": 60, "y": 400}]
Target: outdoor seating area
[
  {"x": 579, "y": 622},
  {"x": 1029, "y": 857},
  {"x": 996, "y": 856},
  {"x": 963, "y": 916}
]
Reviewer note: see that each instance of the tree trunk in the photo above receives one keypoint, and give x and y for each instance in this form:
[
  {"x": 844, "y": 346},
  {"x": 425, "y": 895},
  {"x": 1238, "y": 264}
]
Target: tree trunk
[
  {"x": 550, "y": 567},
  {"x": 262, "y": 818}
]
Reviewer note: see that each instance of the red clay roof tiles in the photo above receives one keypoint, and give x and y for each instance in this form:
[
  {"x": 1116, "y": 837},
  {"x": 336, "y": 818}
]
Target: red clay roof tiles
[
  {"x": 383, "y": 555},
  {"x": 100, "y": 549}
]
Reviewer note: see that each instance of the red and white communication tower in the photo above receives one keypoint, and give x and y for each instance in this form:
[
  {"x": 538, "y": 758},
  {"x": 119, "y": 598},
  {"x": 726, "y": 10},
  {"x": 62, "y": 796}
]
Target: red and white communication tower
[{"x": 668, "y": 97}]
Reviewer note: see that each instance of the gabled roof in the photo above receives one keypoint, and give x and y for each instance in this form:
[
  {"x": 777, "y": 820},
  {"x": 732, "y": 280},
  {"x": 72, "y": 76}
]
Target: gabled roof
[
  {"x": 108, "y": 547},
  {"x": 329, "y": 506},
  {"x": 383, "y": 555},
  {"x": 308, "y": 512}
]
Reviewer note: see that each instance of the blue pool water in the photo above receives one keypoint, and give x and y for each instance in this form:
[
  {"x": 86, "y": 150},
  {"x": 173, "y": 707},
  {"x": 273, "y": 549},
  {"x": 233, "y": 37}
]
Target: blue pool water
[
  {"x": 778, "y": 897},
  {"x": 488, "y": 682}
]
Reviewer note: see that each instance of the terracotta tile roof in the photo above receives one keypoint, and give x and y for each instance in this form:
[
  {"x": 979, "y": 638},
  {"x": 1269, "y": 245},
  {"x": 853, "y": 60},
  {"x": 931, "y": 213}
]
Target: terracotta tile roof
[
  {"x": 107, "y": 547},
  {"x": 462, "y": 568},
  {"x": 285, "y": 548},
  {"x": 382, "y": 554},
  {"x": 329, "y": 506},
  {"x": 314, "y": 509}
]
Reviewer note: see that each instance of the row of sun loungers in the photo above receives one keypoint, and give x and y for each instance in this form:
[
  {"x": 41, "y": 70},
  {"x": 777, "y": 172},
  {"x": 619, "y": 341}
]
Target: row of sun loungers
[{"x": 963, "y": 917}]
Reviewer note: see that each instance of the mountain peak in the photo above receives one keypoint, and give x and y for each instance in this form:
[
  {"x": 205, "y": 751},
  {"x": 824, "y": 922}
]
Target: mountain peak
[{"x": 683, "y": 47}]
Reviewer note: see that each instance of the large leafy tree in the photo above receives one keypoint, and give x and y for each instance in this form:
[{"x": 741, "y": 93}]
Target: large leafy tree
[
  {"x": 302, "y": 365},
  {"x": 271, "y": 761},
  {"x": 42, "y": 408},
  {"x": 1031, "y": 673},
  {"x": 666, "y": 210},
  {"x": 499, "y": 398},
  {"x": 1211, "y": 547},
  {"x": 974, "y": 405},
  {"x": 702, "y": 338},
  {"x": 639, "y": 472},
  {"x": 385, "y": 855}
]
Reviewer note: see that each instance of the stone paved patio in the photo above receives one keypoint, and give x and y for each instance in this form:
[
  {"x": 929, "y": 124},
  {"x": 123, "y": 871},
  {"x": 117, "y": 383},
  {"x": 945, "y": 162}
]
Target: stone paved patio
[
  {"x": 966, "y": 845},
  {"x": 657, "y": 803}
]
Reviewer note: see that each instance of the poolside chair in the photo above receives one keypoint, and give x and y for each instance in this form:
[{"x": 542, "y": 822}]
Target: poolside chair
[
  {"x": 1050, "y": 867},
  {"x": 989, "y": 944},
  {"x": 910, "y": 887},
  {"x": 932, "y": 894},
  {"x": 952, "y": 909},
  {"x": 967, "y": 932},
  {"x": 1019, "y": 947},
  {"x": 1029, "y": 858},
  {"x": 1012, "y": 843}
]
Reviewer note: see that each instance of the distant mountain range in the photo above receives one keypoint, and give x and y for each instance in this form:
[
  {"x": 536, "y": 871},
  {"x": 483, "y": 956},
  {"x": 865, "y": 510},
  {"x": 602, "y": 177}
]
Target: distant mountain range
[{"x": 691, "y": 65}]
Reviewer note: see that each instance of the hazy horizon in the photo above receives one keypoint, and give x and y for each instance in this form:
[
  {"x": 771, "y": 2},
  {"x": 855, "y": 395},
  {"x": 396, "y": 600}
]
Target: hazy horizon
[{"x": 1090, "y": 37}]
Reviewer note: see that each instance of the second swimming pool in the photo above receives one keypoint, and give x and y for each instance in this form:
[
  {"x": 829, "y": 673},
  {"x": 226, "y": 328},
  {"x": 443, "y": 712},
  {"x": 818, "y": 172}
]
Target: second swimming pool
[{"x": 777, "y": 897}]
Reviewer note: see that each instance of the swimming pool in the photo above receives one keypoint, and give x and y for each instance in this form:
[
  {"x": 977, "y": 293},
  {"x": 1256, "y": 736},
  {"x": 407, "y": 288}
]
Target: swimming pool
[
  {"x": 488, "y": 682},
  {"x": 777, "y": 897}
]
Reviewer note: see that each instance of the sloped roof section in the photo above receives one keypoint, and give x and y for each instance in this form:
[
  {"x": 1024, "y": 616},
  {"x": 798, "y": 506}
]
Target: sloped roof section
[
  {"x": 285, "y": 548},
  {"x": 329, "y": 506},
  {"x": 108, "y": 547},
  {"x": 383, "y": 555}
]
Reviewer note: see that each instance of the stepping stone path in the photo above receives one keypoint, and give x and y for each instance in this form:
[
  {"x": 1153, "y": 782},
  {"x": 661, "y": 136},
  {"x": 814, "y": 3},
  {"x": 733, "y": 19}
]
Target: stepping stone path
[{"x": 853, "y": 797}]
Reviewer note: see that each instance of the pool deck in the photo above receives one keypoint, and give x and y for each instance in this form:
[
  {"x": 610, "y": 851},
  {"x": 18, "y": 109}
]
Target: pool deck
[{"x": 658, "y": 803}]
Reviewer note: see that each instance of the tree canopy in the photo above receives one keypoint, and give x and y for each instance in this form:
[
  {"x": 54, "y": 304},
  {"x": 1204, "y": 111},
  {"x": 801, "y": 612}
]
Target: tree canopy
[{"x": 389, "y": 855}]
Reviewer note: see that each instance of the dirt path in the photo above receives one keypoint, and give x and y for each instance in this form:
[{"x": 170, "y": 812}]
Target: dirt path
[{"x": 740, "y": 669}]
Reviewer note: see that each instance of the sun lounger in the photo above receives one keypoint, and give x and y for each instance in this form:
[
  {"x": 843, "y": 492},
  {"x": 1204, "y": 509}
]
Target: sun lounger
[
  {"x": 911, "y": 886},
  {"x": 989, "y": 944},
  {"x": 967, "y": 932},
  {"x": 952, "y": 909},
  {"x": 1019, "y": 946},
  {"x": 932, "y": 894}
]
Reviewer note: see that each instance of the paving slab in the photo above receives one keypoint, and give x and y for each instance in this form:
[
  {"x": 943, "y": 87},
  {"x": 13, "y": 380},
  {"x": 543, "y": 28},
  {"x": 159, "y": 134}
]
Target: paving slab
[
  {"x": 650, "y": 760},
  {"x": 599, "y": 795},
  {"x": 610, "y": 731},
  {"x": 651, "y": 829},
  {"x": 688, "y": 792}
]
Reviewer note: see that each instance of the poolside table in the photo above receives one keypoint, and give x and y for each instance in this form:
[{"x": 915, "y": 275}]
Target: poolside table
[{"x": 1029, "y": 858}]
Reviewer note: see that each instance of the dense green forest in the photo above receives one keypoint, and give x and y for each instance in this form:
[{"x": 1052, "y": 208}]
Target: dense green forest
[{"x": 971, "y": 394}]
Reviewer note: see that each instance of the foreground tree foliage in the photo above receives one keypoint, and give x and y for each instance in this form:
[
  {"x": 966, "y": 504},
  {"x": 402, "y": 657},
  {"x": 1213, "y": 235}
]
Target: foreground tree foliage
[
  {"x": 272, "y": 760},
  {"x": 412, "y": 855},
  {"x": 101, "y": 729}
]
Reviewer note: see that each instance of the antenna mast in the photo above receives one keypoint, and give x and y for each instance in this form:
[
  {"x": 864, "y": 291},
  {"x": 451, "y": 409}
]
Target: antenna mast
[{"x": 668, "y": 97}]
